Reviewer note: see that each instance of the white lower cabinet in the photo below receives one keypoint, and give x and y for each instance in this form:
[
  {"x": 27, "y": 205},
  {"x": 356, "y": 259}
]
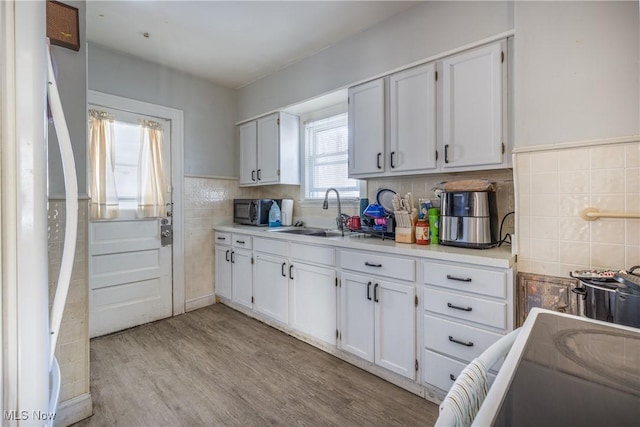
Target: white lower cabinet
[
  {"x": 313, "y": 301},
  {"x": 271, "y": 289},
  {"x": 242, "y": 277},
  {"x": 223, "y": 271},
  {"x": 378, "y": 322}
]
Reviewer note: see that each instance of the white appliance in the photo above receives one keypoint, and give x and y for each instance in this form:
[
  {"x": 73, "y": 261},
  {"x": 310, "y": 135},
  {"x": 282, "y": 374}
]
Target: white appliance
[{"x": 30, "y": 372}]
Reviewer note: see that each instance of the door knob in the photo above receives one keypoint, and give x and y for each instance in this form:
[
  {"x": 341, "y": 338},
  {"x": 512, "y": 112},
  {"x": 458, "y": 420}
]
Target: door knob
[{"x": 165, "y": 233}]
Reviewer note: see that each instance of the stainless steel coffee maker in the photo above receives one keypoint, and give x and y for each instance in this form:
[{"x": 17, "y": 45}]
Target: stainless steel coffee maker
[{"x": 469, "y": 219}]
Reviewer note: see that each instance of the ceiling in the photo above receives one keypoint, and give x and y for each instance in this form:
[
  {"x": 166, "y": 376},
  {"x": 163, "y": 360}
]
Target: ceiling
[{"x": 231, "y": 43}]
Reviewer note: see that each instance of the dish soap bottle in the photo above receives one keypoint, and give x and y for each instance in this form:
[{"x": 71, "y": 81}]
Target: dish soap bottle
[{"x": 274, "y": 215}]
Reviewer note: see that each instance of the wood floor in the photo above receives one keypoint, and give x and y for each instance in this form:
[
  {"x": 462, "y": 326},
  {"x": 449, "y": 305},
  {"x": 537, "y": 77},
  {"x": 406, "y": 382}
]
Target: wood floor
[{"x": 215, "y": 366}]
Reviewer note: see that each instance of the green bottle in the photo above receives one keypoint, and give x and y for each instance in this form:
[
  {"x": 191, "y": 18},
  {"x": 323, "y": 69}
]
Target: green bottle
[{"x": 434, "y": 225}]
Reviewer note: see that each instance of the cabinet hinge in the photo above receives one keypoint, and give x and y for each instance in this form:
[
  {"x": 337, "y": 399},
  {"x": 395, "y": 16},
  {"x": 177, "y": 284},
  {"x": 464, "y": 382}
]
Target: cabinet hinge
[
  {"x": 436, "y": 76},
  {"x": 502, "y": 56},
  {"x": 278, "y": 121},
  {"x": 436, "y": 154},
  {"x": 416, "y": 300},
  {"x": 416, "y": 364},
  {"x": 503, "y": 148}
]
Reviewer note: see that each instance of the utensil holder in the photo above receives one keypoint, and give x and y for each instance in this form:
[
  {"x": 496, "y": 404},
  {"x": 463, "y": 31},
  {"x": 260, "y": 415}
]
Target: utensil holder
[{"x": 406, "y": 235}]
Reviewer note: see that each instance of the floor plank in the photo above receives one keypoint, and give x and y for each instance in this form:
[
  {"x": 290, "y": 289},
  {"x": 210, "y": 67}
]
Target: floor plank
[{"x": 215, "y": 366}]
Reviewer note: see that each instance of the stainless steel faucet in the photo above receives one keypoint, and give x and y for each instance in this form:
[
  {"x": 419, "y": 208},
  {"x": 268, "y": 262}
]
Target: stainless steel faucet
[{"x": 341, "y": 218}]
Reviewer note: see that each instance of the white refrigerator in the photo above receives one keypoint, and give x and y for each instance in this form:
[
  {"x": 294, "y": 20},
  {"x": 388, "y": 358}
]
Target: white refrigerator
[{"x": 29, "y": 328}]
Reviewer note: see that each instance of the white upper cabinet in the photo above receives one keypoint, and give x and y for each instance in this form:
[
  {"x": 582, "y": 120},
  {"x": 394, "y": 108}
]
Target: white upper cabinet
[
  {"x": 269, "y": 150},
  {"x": 472, "y": 108},
  {"x": 366, "y": 129},
  {"x": 248, "y": 152},
  {"x": 412, "y": 139}
]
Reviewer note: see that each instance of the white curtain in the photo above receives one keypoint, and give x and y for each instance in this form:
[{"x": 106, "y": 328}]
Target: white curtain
[
  {"x": 102, "y": 184},
  {"x": 151, "y": 182}
]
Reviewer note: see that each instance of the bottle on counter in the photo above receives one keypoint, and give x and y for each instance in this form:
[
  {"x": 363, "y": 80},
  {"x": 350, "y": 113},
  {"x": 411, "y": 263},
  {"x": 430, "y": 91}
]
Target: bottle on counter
[
  {"x": 434, "y": 225},
  {"x": 422, "y": 232},
  {"x": 274, "y": 215}
]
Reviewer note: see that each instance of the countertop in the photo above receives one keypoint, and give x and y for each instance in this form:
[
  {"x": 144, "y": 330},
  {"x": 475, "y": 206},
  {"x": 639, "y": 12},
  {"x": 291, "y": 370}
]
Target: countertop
[
  {"x": 565, "y": 370},
  {"x": 495, "y": 257}
]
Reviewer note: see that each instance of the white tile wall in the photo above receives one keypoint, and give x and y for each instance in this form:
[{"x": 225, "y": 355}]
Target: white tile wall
[{"x": 555, "y": 186}]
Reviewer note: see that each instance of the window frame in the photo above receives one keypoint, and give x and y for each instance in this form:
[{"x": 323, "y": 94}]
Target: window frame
[{"x": 312, "y": 117}]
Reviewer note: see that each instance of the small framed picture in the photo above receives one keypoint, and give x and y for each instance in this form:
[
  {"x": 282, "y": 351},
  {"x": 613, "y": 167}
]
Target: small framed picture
[{"x": 63, "y": 27}]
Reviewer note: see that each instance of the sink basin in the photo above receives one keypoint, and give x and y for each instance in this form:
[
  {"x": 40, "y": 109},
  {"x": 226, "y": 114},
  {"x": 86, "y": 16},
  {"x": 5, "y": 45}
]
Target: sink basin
[{"x": 318, "y": 232}]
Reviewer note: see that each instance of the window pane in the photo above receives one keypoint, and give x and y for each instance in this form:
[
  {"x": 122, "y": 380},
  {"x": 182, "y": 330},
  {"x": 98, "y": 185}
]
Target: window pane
[{"x": 326, "y": 149}]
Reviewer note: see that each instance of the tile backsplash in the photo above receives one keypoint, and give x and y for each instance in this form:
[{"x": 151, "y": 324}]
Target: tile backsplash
[{"x": 555, "y": 185}]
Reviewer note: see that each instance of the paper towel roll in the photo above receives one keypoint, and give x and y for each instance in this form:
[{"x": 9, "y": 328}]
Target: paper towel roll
[{"x": 287, "y": 211}]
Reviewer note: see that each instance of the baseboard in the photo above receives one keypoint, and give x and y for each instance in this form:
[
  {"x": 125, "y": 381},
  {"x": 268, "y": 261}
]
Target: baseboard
[
  {"x": 196, "y": 303},
  {"x": 73, "y": 410}
]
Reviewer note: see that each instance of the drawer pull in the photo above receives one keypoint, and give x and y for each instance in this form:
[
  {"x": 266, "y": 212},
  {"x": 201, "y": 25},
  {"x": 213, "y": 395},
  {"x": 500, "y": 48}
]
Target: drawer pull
[
  {"x": 466, "y": 344},
  {"x": 222, "y": 238},
  {"x": 368, "y": 264},
  {"x": 452, "y": 377},
  {"x": 459, "y": 308},
  {"x": 369, "y": 291},
  {"x": 459, "y": 279},
  {"x": 242, "y": 243}
]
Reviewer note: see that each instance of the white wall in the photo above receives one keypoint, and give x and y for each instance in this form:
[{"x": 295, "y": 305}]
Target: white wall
[
  {"x": 576, "y": 71},
  {"x": 420, "y": 32},
  {"x": 72, "y": 84},
  {"x": 209, "y": 109}
]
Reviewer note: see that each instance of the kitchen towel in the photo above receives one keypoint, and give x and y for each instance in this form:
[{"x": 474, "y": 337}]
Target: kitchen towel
[{"x": 287, "y": 211}]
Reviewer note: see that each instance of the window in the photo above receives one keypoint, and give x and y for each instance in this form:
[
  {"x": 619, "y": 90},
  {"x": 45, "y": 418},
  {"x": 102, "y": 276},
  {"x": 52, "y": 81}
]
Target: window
[
  {"x": 326, "y": 158},
  {"x": 125, "y": 163}
]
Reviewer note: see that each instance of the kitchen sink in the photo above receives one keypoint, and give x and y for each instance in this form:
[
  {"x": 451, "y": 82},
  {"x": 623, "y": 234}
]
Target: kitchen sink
[{"x": 309, "y": 231}]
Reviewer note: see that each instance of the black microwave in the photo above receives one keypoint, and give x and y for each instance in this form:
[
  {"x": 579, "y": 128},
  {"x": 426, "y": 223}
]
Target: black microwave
[{"x": 253, "y": 211}]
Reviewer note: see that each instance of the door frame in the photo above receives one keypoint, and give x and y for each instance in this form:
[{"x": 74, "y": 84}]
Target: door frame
[{"x": 176, "y": 116}]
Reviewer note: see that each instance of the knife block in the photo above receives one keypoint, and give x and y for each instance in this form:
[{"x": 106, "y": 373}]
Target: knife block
[{"x": 406, "y": 235}]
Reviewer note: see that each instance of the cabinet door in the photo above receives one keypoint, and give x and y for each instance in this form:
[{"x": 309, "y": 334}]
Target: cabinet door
[
  {"x": 223, "y": 271},
  {"x": 472, "y": 107},
  {"x": 271, "y": 293},
  {"x": 395, "y": 323},
  {"x": 413, "y": 120},
  {"x": 248, "y": 153},
  {"x": 366, "y": 128},
  {"x": 356, "y": 320},
  {"x": 242, "y": 282},
  {"x": 268, "y": 150},
  {"x": 313, "y": 301}
]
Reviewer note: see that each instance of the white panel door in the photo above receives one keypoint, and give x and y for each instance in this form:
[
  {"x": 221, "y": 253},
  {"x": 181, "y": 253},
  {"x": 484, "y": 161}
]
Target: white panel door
[
  {"x": 248, "y": 153},
  {"x": 130, "y": 275},
  {"x": 268, "y": 149},
  {"x": 271, "y": 290},
  {"x": 413, "y": 120},
  {"x": 366, "y": 129},
  {"x": 395, "y": 326},
  {"x": 223, "y": 271},
  {"x": 472, "y": 107},
  {"x": 356, "y": 320},
  {"x": 242, "y": 277},
  {"x": 313, "y": 301}
]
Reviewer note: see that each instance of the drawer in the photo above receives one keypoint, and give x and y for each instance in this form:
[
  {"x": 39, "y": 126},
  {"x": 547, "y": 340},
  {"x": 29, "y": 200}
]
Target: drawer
[
  {"x": 222, "y": 238},
  {"x": 313, "y": 254},
  {"x": 241, "y": 241},
  {"x": 465, "y": 307},
  {"x": 271, "y": 246},
  {"x": 442, "y": 371},
  {"x": 461, "y": 341},
  {"x": 379, "y": 264},
  {"x": 468, "y": 279}
]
